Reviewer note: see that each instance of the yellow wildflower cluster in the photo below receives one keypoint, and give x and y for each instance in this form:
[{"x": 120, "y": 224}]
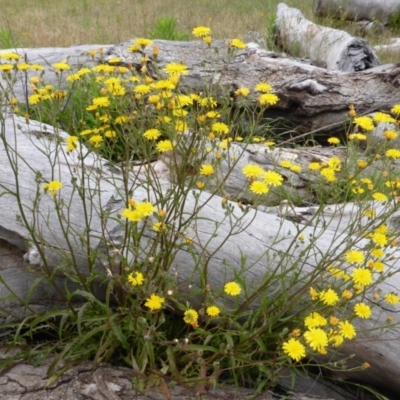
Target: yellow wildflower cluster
[{"x": 320, "y": 331}]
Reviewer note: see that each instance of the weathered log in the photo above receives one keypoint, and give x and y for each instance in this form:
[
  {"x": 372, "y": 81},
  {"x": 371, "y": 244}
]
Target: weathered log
[
  {"x": 311, "y": 99},
  {"x": 338, "y": 49},
  {"x": 263, "y": 232},
  {"x": 356, "y": 10}
]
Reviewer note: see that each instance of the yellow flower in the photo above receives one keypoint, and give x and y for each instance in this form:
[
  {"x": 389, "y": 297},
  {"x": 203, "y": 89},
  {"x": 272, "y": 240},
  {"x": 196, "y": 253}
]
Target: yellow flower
[
  {"x": 393, "y": 153},
  {"x": 142, "y": 89},
  {"x": 314, "y": 320},
  {"x": 174, "y": 69},
  {"x": 379, "y": 238},
  {"x": 333, "y": 140},
  {"x": 383, "y": 117},
  {"x": 145, "y": 208},
  {"x": 213, "y": 311},
  {"x": 159, "y": 226},
  {"x": 390, "y": 135},
  {"x": 101, "y": 101},
  {"x": 347, "y": 330},
  {"x": 10, "y": 56},
  {"x": 358, "y": 136},
  {"x": 220, "y": 127},
  {"x": 294, "y": 349},
  {"x": 379, "y": 196},
  {"x": 252, "y": 171},
  {"x": 263, "y": 87},
  {"x": 206, "y": 169},
  {"x": 354, "y": 256},
  {"x": 362, "y": 276},
  {"x": 238, "y": 44},
  {"x": 362, "y": 163},
  {"x": 395, "y": 109},
  {"x": 200, "y": 185},
  {"x": 243, "y": 91},
  {"x": 96, "y": 140},
  {"x": 34, "y": 99},
  {"x": 296, "y": 168},
  {"x": 273, "y": 178},
  {"x": 62, "y": 66},
  {"x": 207, "y": 40},
  {"x": 336, "y": 339},
  {"x": 71, "y": 143},
  {"x": 131, "y": 215},
  {"x": 232, "y": 288},
  {"x": 152, "y": 134},
  {"x": 258, "y": 187},
  {"x": 136, "y": 278},
  {"x": 392, "y": 298},
  {"x": 329, "y": 297},
  {"x": 365, "y": 123},
  {"x": 154, "y": 302},
  {"x": 378, "y": 253},
  {"x": 313, "y": 294},
  {"x": 268, "y": 99},
  {"x": 191, "y": 316},
  {"x": 201, "y": 31},
  {"x": 316, "y": 339},
  {"x": 333, "y": 320},
  {"x": 314, "y": 166},
  {"x": 362, "y": 310},
  {"x": 347, "y": 294},
  {"x": 142, "y": 42},
  {"x": 328, "y": 174},
  {"x": 164, "y": 145},
  {"x": 53, "y": 187}
]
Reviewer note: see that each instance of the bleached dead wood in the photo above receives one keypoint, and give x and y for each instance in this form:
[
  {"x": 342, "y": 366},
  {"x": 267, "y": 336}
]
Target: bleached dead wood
[
  {"x": 311, "y": 98},
  {"x": 337, "y": 48},
  {"x": 263, "y": 232},
  {"x": 357, "y": 10}
]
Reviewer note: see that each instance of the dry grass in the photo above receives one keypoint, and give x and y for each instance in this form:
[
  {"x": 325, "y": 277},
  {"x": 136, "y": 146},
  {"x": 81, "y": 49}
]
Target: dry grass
[{"x": 42, "y": 23}]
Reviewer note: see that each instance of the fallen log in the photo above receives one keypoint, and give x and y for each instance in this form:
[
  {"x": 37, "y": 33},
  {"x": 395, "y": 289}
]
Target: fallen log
[
  {"x": 312, "y": 99},
  {"x": 338, "y": 49},
  {"x": 356, "y": 10},
  {"x": 255, "y": 235}
]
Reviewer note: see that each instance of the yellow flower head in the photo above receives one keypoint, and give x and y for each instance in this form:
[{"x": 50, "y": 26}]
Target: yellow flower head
[
  {"x": 152, "y": 134},
  {"x": 273, "y": 178},
  {"x": 252, "y": 171},
  {"x": 263, "y": 87},
  {"x": 142, "y": 42},
  {"x": 243, "y": 91},
  {"x": 174, "y": 69},
  {"x": 206, "y": 169},
  {"x": 362, "y": 310},
  {"x": 220, "y": 127},
  {"x": 268, "y": 99},
  {"x": 201, "y": 31},
  {"x": 354, "y": 256},
  {"x": 365, "y": 123},
  {"x": 213, "y": 311},
  {"x": 316, "y": 338},
  {"x": 294, "y": 349},
  {"x": 258, "y": 187},
  {"x": 392, "y": 298},
  {"x": 232, "y": 288},
  {"x": 53, "y": 187},
  {"x": 329, "y": 297},
  {"x": 238, "y": 44},
  {"x": 154, "y": 302},
  {"x": 191, "y": 316},
  {"x": 347, "y": 330},
  {"x": 362, "y": 276},
  {"x": 164, "y": 145},
  {"x": 136, "y": 278}
]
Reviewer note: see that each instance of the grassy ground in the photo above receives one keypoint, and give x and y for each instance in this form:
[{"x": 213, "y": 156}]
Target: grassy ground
[
  {"x": 41, "y": 23},
  {"x": 36, "y": 23}
]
